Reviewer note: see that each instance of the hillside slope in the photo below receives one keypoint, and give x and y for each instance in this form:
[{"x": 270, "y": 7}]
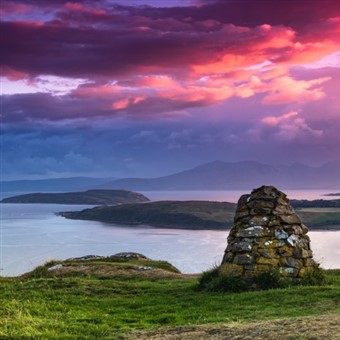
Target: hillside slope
[{"x": 132, "y": 297}]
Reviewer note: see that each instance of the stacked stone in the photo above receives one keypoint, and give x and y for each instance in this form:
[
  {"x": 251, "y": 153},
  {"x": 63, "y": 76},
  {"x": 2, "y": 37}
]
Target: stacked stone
[{"x": 267, "y": 234}]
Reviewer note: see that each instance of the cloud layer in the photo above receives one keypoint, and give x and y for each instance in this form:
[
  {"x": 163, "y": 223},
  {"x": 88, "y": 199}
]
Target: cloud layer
[{"x": 223, "y": 77}]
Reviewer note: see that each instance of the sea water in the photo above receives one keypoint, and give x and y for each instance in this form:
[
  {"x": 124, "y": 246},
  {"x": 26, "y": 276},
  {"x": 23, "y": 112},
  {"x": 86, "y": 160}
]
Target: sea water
[{"x": 31, "y": 234}]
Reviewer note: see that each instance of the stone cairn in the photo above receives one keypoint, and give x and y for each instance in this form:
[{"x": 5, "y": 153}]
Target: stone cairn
[{"x": 267, "y": 234}]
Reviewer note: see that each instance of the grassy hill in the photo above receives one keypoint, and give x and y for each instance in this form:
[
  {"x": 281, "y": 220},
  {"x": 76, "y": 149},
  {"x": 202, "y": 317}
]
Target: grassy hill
[
  {"x": 132, "y": 297},
  {"x": 196, "y": 214}
]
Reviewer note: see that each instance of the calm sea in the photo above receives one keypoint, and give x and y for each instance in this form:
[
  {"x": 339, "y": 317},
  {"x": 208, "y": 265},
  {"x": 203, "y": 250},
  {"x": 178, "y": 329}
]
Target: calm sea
[{"x": 31, "y": 234}]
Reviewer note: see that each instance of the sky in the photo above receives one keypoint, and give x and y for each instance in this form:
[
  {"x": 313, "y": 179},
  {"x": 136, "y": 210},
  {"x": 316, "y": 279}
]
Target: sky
[{"x": 146, "y": 88}]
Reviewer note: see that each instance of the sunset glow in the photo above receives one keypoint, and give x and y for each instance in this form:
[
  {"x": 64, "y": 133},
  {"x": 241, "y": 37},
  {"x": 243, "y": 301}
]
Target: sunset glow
[{"x": 195, "y": 80}]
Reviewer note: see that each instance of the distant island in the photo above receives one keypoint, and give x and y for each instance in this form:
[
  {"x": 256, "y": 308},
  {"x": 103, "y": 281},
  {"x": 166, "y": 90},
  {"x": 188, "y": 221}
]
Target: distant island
[
  {"x": 202, "y": 215},
  {"x": 89, "y": 197},
  {"x": 333, "y": 194}
]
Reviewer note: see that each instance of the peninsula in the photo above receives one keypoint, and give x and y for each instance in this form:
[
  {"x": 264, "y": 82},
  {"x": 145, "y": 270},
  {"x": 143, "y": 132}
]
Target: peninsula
[
  {"x": 163, "y": 214},
  {"x": 89, "y": 197},
  {"x": 200, "y": 214}
]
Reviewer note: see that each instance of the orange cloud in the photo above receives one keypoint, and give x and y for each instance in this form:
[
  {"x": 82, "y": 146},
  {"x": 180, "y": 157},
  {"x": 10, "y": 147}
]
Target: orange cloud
[
  {"x": 253, "y": 47},
  {"x": 157, "y": 81},
  {"x": 126, "y": 102}
]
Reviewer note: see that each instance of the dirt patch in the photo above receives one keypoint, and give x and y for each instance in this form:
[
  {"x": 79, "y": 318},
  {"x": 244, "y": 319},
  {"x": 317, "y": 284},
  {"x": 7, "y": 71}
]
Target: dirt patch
[{"x": 316, "y": 327}]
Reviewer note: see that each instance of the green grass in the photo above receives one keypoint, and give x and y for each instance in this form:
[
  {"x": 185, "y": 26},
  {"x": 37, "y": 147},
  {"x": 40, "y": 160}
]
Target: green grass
[{"x": 95, "y": 307}]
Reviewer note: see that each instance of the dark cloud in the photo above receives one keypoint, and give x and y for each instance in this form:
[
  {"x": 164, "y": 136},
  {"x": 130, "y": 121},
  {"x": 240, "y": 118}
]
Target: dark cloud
[
  {"x": 116, "y": 40},
  {"x": 45, "y": 107},
  {"x": 248, "y": 12}
]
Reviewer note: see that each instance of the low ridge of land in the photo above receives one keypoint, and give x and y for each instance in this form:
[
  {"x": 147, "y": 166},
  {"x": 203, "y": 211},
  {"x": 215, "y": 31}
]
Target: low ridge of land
[
  {"x": 89, "y": 197},
  {"x": 201, "y": 214},
  {"x": 163, "y": 214},
  {"x": 319, "y": 203},
  {"x": 333, "y": 194}
]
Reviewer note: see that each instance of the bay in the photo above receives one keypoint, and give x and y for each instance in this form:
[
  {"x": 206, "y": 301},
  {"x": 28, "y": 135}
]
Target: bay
[{"x": 31, "y": 234}]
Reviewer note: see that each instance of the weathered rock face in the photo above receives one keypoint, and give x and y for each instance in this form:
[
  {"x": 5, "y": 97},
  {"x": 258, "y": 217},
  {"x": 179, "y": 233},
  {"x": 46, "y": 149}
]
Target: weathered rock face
[{"x": 267, "y": 234}]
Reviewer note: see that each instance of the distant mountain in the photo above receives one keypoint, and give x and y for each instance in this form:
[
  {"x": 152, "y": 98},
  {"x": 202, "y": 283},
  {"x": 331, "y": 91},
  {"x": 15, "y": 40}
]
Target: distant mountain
[
  {"x": 220, "y": 175},
  {"x": 90, "y": 197},
  {"x": 217, "y": 175},
  {"x": 53, "y": 184}
]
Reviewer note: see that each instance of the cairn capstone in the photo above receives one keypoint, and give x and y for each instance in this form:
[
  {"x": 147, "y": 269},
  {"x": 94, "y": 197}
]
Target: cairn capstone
[{"x": 267, "y": 234}]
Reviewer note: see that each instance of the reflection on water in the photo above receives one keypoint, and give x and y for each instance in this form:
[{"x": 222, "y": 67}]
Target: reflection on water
[{"x": 32, "y": 234}]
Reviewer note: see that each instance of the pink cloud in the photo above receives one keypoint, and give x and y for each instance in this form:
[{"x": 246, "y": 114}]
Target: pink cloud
[
  {"x": 11, "y": 8},
  {"x": 287, "y": 90},
  {"x": 98, "y": 91},
  {"x": 152, "y": 89},
  {"x": 286, "y": 127},
  {"x": 297, "y": 129},
  {"x": 127, "y": 102},
  {"x": 79, "y": 7},
  {"x": 12, "y": 74},
  {"x": 274, "y": 121},
  {"x": 121, "y": 104},
  {"x": 157, "y": 81}
]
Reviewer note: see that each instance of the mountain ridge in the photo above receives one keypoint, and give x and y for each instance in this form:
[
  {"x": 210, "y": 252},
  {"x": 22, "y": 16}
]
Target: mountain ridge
[
  {"x": 216, "y": 175},
  {"x": 219, "y": 175},
  {"x": 52, "y": 184}
]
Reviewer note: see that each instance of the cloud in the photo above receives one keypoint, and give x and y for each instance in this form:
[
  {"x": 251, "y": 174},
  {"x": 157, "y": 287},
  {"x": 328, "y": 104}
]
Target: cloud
[
  {"x": 13, "y": 75},
  {"x": 287, "y": 127},
  {"x": 100, "y": 82},
  {"x": 14, "y": 82},
  {"x": 297, "y": 129},
  {"x": 286, "y": 90},
  {"x": 274, "y": 121},
  {"x": 163, "y": 57},
  {"x": 128, "y": 40}
]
